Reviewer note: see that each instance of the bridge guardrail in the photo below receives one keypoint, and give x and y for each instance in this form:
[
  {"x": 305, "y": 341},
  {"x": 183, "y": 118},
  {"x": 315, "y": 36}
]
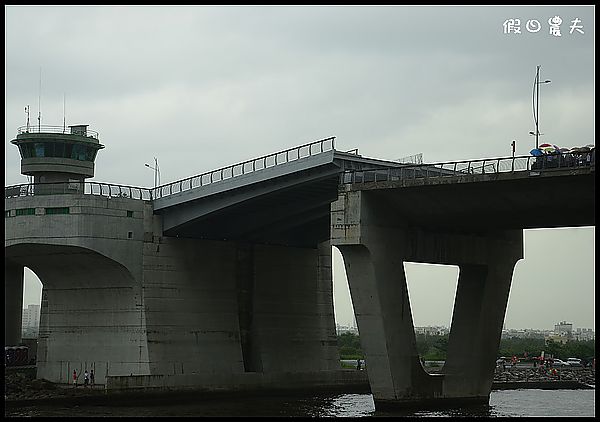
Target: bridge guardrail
[
  {"x": 81, "y": 188},
  {"x": 250, "y": 166},
  {"x": 471, "y": 167},
  {"x": 409, "y": 171}
]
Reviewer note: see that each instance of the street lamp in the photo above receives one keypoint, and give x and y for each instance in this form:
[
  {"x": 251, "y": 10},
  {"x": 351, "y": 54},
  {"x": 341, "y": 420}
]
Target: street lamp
[
  {"x": 536, "y": 104},
  {"x": 156, "y": 171}
]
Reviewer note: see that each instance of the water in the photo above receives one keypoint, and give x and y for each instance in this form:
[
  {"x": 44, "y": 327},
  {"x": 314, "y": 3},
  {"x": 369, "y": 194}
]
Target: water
[{"x": 503, "y": 403}]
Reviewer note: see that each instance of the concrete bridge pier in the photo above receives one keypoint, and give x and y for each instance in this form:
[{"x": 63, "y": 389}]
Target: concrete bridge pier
[
  {"x": 13, "y": 302},
  {"x": 479, "y": 310},
  {"x": 383, "y": 314},
  {"x": 375, "y": 243}
]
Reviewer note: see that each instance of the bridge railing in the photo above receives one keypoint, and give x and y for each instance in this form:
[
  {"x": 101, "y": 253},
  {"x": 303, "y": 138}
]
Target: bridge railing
[
  {"x": 471, "y": 167},
  {"x": 78, "y": 188},
  {"x": 246, "y": 167}
]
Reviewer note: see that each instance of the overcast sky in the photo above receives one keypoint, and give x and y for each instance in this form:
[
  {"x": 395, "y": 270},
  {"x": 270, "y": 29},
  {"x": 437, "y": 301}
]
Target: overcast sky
[{"x": 202, "y": 87}]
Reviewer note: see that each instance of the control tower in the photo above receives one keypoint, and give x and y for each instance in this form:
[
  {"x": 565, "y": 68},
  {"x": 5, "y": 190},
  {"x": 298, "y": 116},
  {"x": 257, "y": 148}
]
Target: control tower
[{"x": 59, "y": 159}]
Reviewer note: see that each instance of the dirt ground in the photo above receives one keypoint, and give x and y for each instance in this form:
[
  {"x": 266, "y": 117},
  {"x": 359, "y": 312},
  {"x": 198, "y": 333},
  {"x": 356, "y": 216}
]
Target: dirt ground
[{"x": 21, "y": 385}]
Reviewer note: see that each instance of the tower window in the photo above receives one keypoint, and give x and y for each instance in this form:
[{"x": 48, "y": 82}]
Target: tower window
[
  {"x": 39, "y": 150},
  {"x": 25, "y": 211},
  {"x": 78, "y": 152},
  {"x": 57, "y": 210},
  {"x": 58, "y": 149}
]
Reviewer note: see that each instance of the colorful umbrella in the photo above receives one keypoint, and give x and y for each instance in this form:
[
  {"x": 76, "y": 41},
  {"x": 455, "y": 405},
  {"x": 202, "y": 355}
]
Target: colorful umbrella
[{"x": 536, "y": 152}]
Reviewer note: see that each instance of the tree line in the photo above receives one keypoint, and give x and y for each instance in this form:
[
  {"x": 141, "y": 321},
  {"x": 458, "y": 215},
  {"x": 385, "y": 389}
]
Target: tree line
[{"x": 435, "y": 347}]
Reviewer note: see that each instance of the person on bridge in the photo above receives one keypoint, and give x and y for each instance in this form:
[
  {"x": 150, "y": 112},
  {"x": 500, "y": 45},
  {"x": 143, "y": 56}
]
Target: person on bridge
[
  {"x": 92, "y": 377},
  {"x": 358, "y": 364},
  {"x": 86, "y": 378},
  {"x": 74, "y": 378}
]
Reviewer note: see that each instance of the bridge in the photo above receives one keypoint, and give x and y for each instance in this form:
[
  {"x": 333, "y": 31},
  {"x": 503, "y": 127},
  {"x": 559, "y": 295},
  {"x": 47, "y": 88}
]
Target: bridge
[{"x": 223, "y": 280}]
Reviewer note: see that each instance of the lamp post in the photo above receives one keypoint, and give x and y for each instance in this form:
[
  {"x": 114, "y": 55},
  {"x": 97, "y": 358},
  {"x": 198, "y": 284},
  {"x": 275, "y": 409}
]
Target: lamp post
[
  {"x": 536, "y": 104},
  {"x": 156, "y": 171}
]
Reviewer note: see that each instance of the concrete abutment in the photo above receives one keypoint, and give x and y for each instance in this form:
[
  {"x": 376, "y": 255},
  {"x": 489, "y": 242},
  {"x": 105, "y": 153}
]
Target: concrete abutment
[
  {"x": 120, "y": 298},
  {"x": 375, "y": 243}
]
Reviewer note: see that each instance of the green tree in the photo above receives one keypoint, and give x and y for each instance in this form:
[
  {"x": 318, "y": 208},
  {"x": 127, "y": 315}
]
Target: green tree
[
  {"x": 434, "y": 347},
  {"x": 349, "y": 346}
]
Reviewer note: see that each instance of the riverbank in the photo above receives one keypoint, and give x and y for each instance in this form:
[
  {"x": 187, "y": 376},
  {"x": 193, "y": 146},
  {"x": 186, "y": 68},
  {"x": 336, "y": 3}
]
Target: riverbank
[{"x": 22, "y": 389}]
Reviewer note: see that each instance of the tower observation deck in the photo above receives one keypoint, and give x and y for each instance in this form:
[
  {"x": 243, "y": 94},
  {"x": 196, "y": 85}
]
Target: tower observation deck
[{"x": 57, "y": 154}]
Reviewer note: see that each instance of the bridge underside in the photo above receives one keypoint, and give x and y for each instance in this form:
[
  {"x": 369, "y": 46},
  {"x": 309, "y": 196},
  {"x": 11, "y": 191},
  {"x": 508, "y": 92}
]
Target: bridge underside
[
  {"x": 288, "y": 212},
  {"x": 505, "y": 202},
  {"x": 287, "y": 205}
]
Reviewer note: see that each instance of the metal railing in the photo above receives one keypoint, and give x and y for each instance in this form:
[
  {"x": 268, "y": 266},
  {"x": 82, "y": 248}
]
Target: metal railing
[
  {"x": 471, "y": 167},
  {"x": 78, "y": 188},
  {"x": 55, "y": 129},
  {"x": 449, "y": 169},
  {"x": 246, "y": 167}
]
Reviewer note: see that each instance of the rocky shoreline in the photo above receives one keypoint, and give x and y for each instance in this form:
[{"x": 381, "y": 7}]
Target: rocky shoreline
[
  {"x": 586, "y": 376},
  {"x": 21, "y": 387}
]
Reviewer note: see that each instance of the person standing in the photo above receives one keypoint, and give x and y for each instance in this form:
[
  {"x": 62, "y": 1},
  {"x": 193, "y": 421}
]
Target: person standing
[
  {"x": 92, "y": 377},
  {"x": 74, "y": 378},
  {"x": 86, "y": 378}
]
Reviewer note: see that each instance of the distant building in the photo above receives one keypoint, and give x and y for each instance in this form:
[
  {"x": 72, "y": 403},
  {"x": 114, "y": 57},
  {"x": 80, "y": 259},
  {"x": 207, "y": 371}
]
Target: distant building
[
  {"x": 432, "y": 331},
  {"x": 563, "y": 332},
  {"x": 525, "y": 333},
  {"x": 563, "y": 328},
  {"x": 345, "y": 329},
  {"x": 30, "y": 323},
  {"x": 584, "y": 334}
]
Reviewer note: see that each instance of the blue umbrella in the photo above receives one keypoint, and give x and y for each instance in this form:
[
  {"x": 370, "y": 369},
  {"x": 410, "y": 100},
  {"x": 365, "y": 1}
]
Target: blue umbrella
[{"x": 536, "y": 152}]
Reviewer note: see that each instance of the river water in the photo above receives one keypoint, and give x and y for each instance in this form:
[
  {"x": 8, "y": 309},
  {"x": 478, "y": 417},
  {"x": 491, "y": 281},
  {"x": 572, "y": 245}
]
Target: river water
[{"x": 503, "y": 403}]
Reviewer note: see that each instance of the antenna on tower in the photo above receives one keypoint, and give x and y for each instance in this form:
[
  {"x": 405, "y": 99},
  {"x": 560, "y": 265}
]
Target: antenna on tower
[
  {"x": 64, "y": 118},
  {"x": 40, "y": 102},
  {"x": 27, "y": 111}
]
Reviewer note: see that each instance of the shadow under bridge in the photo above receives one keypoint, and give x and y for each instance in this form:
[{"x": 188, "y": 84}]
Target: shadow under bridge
[{"x": 282, "y": 199}]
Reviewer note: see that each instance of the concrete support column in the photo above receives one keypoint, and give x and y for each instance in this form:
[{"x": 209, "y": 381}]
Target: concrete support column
[
  {"x": 383, "y": 314},
  {"x": 13, "y": 302},
  {"x": 375, "y": 243},
  {"x": 479, "y": 310}
]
